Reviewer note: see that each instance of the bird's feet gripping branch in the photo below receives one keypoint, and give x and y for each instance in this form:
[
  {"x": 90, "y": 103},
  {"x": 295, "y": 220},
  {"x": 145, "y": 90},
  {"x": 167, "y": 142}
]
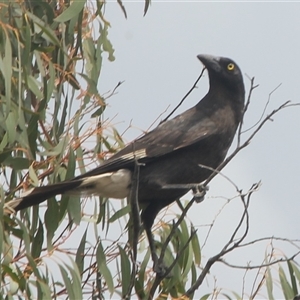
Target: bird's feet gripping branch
[
  {"x": 169, "y": 154},
  {"x": 199, "y": 190}
]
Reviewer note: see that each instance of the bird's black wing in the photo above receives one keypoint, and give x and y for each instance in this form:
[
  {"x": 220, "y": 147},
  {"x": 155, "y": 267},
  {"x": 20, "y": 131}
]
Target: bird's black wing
[{"x": 186, "y": 129}]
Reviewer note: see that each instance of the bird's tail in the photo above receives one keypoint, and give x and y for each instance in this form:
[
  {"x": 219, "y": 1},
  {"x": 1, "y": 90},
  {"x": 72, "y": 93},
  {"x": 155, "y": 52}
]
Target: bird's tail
[
  {"x": 39, "y": 194},
  {"x": 111, "y": 185}
]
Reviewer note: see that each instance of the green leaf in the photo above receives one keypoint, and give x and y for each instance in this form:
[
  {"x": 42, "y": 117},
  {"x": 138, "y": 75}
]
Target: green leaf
[
  {"x": 68, "y": 283},
  {"x": 9, "y": 270},
  {"x": 196, "y": 248},
  {"x": 6, "y": 67},
  {"x": 194, "y": 278},
  {"x": 139, "y": 283},
  {"x": 11, "y": 125},
  {"x": 107, "y": 45},
  {"x": 50, "y": 82},
  {"x": 17, "y": 163},
  {"x": 76, "y": 280},
  {"x": 297, "y": 272},
  {"x": 119, "y": 214},
  {"x": 98, "y": 112},
  {"x": 3, "y": 144},
  {"x": 7, "y": 249},
  {"x": 45, "y": 290},
  {"x": 71, "y": 164},
  {"x": 125, "y": 270},
  {"x": 34, "y": 86},
  {"x": 25, "y": 235},
  {"x": 32, "y": 133},
  {"x": 269, "y": 284},
  {"x": 189, "y": 260},
  {"x": 74, "y": 209},
  {"x": 292, "y": 276},
  {"x": 33, "y": 176},
  {"x": 205, "y": 297},
  {"x": 51, "y": 221},
  {"x": 227, "y": 296},
  {"x": 3, "y": 253},
  {"x": 37, "y": 242},
  {"x": 42, "y": 28},
  {"x": 80, "y": 253},
  {"x": 27, "y": 43},
  {"x": 122, "y": 8},
  {"x": 40, "y": 63},
  {"x": 103, "y": 269},
  {"x": 73, "y": 10},
  {"x": 237, "y": 296},
  {"x": 285, "y": 285},
  {"x": 146, "y": 7},
  {"x": 58, "y": 149},
  {"x": 80, "y": 159}
]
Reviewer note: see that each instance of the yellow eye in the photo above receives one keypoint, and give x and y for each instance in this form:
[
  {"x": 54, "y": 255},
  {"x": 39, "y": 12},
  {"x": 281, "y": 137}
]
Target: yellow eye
[{"x": 230, "y": 67}]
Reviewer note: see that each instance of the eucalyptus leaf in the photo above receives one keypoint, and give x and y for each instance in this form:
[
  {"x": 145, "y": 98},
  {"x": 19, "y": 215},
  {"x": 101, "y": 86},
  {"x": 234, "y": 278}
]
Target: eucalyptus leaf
[{"x": 74, "y": 9}]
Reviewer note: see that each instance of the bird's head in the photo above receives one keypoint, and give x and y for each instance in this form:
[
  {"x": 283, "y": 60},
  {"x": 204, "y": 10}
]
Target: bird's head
[{"x": 223, "y": 70}]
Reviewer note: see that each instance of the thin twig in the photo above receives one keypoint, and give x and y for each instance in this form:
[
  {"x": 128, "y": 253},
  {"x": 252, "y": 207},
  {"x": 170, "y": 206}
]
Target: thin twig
[
  {"x": 226, "y": 248},
  {"x": 186, "y": 95},
  {"x": 249, "y": 267},
  {"x": 247, "y": 142},
  {"x": 265, "y": 108},
  {"x": 136, "y": 224},
  {"x": 252, "y": 87}
]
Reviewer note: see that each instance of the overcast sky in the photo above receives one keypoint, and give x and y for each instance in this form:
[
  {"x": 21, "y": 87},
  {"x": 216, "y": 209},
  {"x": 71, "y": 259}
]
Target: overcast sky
[{"x": 156, "y": 57}]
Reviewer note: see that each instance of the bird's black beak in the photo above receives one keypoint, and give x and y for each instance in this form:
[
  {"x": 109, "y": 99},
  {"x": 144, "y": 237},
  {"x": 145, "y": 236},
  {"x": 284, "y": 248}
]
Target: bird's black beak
[{"x": 210, "y": 62}]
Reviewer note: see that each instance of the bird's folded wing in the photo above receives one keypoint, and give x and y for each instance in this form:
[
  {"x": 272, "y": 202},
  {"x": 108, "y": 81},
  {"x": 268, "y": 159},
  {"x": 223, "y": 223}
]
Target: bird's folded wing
[{"x": 188, "y": 128}]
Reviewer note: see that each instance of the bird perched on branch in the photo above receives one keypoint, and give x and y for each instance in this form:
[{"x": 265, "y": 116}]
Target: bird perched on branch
[{"x": 171, "y": 157}]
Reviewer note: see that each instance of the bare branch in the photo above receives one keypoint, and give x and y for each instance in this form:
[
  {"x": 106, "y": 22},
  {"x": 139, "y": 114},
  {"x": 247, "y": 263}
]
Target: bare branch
[
  {"x": 249, "y": 267},
  {"x": 265, "y": 108},
  {"x": 227, "y": 248},
  {"x": 252, "y": 87},
  {"x": 136, "y": 224},
  {"x": 182, "y": 100}
]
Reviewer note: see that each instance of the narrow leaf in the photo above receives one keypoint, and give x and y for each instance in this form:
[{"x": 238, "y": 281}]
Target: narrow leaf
[
  {"x": 103, "y": 269},
  {"x": 125, "y": 271},
  {"x": 269, "y": 284},
  {"x": 73, "y": 10},
  {"x": 293, "y": 279},
  {"x": 146, "y": 7},
  {"x": 285, "y": 285},
  {"x": 80, "y": 253},
  {"x": 67, "y": 282},
  {"x": 196, "y": 248},
  {"x": 37, "y": 241},
  {"x": 120, "y": 213},
  {"x": 34, "y": 86}
]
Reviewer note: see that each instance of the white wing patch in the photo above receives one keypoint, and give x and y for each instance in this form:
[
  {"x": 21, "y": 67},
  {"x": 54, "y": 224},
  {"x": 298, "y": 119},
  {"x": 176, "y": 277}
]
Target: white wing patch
[
  {"x": 111, "y": 185},
  {"x": 135, "y": 154}
]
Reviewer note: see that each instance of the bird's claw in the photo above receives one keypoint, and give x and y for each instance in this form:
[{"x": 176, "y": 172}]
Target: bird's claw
[
  {"x": 199, "y": 192},
  {"x": 161, "y": 269}
]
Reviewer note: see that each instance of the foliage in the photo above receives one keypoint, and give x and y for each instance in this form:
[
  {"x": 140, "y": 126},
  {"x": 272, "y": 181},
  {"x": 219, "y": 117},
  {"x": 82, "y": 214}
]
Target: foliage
[
  {"x": 51, "y": 127},
  {"x": 46, "y": 49},
  {"x": 51, "y": 109}
]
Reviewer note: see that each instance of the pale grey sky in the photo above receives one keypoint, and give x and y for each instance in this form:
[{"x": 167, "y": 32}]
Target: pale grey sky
[{"x": 156, "y": 56}]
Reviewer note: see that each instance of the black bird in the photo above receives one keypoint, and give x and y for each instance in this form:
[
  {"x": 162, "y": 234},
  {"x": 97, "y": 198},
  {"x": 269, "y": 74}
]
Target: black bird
[{"x": 170, "y": 154}]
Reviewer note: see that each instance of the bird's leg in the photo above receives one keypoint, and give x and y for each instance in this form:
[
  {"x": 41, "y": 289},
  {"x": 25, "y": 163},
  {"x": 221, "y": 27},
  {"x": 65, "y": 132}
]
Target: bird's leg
[
  {"x": 148, "y": 216},
  {"x": 158, "y": 266}
]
